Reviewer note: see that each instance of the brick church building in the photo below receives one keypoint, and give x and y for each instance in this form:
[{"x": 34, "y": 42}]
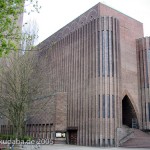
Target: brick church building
[{"x": 102, "y": 64}]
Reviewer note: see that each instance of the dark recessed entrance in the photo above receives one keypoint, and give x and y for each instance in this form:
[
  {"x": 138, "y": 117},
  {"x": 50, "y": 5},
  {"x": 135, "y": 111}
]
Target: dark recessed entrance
[
  {"x": 72, "y": 132},
  {"x": 129, "y": 116}
]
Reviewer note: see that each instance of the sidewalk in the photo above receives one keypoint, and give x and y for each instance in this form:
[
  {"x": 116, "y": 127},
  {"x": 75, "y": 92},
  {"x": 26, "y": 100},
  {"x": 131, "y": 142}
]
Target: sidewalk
[{"x": 71, "y": 147}]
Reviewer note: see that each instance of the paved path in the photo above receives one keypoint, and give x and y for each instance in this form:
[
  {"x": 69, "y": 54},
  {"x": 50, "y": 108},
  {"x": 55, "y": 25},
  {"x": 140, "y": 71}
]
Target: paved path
[{"x": 71, "y": 147}]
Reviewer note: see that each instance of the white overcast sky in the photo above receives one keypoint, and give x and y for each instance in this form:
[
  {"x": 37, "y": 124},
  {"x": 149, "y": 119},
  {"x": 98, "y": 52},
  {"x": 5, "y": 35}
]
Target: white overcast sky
[{"x": 55, "y": 14}]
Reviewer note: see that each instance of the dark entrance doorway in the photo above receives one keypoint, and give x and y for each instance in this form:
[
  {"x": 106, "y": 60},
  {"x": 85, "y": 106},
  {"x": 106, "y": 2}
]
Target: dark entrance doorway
[
  {"x": 129, "y": 116},
  {"x": 72, "y": 136}
]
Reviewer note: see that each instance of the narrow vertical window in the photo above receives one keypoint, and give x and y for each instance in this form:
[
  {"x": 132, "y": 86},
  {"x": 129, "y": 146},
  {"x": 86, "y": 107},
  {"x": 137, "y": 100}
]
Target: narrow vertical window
[
  {"x": 103, "y": 106},
  {"x": 149, "y": 110},
  {"x": 140, "y": 72},
  {"x": 113, "y": 142},
  {"x": 113, "y": 106},
  {"x": 108, "y": 142},
  {"x": 98, "y": 53},
  {"x": 145, "y": 113},
  {"x": 143, "y": 72},
  {"x": 107, "y": 53},
  {"x": 98, "y": 106},
  {"x": 103, "y": 54},
  {"x": 103, "y": 143},
  {"x": 148, "y": 59},
  {"x": 112, "y": 54},
  {"x": 108, "y": 105},
  {"x": 147, "y": 80},
  {"x": 116, "y": 51},
  {"x": 99, "y": 141}
]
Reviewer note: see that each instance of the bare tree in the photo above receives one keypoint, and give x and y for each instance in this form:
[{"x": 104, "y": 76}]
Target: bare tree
[
  {"x": 25, "y": 79},
  {"x": 22, "y": 83}
]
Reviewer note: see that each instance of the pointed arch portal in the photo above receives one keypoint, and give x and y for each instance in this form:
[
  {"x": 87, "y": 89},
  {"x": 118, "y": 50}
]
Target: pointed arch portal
[{"x": 129, "y": 116}]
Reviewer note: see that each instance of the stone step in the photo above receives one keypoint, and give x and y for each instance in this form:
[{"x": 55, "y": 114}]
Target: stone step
[
  {"x": 137, "y": 143},
  {"x": 139, "y": 140},
  {"x": 139, "y": 133}
]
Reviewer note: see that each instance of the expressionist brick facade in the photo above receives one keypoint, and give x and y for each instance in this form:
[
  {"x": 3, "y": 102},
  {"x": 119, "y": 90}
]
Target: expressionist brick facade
[
  {"x": 96, "y": 61},
  {"x": 143, "y": 57}
]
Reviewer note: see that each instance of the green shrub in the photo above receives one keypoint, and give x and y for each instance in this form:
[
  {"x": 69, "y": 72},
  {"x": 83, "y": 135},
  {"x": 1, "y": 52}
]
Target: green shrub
[{"x": 12, "y": 137}]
